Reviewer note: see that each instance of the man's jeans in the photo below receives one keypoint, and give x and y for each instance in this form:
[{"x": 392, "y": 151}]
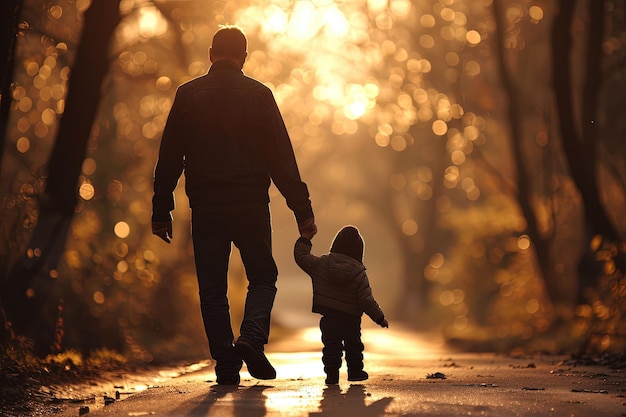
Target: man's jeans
[{"x": 250, "y": 230}]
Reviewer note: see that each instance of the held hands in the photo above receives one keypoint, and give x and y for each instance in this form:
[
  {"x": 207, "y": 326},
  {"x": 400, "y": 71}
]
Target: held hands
[
  {"x": 163, "y": 230},
  {"x": 308, "y": 228}
]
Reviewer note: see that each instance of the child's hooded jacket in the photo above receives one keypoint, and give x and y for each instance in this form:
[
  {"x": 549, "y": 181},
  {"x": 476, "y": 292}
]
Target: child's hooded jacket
[{"x": 340, "y": 283}]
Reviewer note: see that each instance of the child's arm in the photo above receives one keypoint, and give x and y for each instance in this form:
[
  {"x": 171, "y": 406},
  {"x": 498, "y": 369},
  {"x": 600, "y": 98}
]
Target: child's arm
[
  {"x": 302, "y": 254},
  {"x": 367, "y": 302}
]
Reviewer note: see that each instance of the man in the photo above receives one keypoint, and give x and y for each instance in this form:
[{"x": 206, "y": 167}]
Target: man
[{"x": 226, "y": 132}]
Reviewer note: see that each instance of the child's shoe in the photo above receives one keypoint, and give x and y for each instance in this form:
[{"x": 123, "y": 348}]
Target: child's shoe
[
  {"x": 360, "y": 375},
  {"x": 332, "y": 377}
]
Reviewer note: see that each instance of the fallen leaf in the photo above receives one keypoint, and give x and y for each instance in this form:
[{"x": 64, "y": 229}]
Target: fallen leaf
[{"x": 591, "y": 391}]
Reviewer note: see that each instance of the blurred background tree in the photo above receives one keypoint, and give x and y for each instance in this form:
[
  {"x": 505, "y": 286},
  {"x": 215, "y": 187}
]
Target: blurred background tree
[
  {"x": 453, "y": 133},
  {"x": 30, "y": 284}
]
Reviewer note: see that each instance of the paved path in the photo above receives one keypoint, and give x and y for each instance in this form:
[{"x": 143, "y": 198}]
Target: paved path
[{"x": 408, "y": 377}]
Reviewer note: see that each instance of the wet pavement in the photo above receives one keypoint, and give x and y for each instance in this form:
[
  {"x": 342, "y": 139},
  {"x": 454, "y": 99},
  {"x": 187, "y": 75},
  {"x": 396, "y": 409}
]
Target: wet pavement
[{"x": 410, "y": 375}]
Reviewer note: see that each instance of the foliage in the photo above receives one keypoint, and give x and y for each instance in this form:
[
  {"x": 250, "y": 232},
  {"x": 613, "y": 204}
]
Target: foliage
[
  {"x": 31, "y": 385},
  {"x": 20, "y": 353},
  {"x": 397, "y": 117},
  {"x": 602, "y": 322}
]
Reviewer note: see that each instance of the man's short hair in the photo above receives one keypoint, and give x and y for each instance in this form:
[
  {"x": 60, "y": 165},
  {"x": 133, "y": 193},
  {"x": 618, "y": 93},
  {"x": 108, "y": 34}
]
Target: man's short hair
[{"x": 229, "y": 42}]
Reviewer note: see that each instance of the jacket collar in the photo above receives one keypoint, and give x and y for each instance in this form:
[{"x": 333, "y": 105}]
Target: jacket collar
[{"x": 225, "y": 65}]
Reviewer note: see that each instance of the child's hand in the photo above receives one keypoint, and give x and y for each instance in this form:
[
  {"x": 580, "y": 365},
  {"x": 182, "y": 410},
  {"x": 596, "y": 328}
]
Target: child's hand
[
  {"x": 384, "y": 323},
  {"x": 308, "y": 229},
  {"x": 307, "y": 233}
]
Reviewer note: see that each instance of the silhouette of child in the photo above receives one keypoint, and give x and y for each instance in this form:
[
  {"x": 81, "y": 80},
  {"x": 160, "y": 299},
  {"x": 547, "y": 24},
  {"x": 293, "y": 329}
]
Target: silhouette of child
[{"x": 341, "y": 294}]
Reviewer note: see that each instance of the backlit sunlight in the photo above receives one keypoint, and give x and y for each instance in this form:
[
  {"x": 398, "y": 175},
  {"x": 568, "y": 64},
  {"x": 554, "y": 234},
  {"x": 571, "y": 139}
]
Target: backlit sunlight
[
  {"x": 400, "y": 125},
  {"x": 331, "y": 42},
  {"x": 151, "y": 23}
]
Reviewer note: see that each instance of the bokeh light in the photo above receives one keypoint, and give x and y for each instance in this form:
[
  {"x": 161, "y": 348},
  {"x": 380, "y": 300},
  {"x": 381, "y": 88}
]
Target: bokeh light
[
  {"x": 122, "y": 229},
  {"x": 398, "y": 120}
]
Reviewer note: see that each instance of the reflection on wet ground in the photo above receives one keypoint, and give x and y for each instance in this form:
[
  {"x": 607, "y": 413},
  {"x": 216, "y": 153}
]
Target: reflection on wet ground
[
  {"x": 410, "y": 375},
  {"x": 308, "y": 400}
]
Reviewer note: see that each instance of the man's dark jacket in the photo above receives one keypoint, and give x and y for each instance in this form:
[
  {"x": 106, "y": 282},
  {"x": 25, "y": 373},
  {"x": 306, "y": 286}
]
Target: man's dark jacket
[{"x": 227, "y": 134}]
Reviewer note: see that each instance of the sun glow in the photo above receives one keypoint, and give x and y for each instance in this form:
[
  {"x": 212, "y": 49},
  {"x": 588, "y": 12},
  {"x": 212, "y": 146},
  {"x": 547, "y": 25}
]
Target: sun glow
[
  {"x": 151, "y": 23},
  {"x": 356, "y": 102},
  {"x": 327, "y": 37},
  {"x": 275, "y": 20},
  {"x": 304, "y": 400}
]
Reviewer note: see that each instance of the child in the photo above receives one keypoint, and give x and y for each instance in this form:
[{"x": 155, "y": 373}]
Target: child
[{"x": 341, "y": 294}]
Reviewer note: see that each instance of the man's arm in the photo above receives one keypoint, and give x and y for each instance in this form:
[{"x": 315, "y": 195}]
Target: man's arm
[
  {"x": 283, "y": 168},
  {"x": 163, "y": 230},
  {"x": 168, "y": 169},
  {"x": 308, "y": 228}
]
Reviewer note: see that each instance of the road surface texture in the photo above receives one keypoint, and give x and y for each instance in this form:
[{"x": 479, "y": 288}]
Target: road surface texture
[{"x": 409, "y": 376}]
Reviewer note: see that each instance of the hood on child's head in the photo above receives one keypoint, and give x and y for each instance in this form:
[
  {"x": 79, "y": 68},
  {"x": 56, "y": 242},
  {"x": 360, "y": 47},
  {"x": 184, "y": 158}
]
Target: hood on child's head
[{"x": 348, "y": 241}]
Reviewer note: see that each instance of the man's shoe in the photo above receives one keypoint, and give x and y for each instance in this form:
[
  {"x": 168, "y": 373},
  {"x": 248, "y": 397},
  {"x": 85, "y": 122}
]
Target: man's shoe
[
  {"x": 332, "y": 377},
  {"x": 258, "y": 365},
  {"x": 228, "y": 379},
  {"x": 357, "y": 376}
]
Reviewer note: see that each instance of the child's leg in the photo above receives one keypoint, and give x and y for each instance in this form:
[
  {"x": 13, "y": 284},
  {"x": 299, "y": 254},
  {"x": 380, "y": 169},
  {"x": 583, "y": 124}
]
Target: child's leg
[
  {"x": 354, "y": 351},
  {"x": 333, "y": 348}
]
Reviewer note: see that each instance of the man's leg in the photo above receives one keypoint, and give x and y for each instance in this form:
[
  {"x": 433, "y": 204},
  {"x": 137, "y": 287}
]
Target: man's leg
[
  {"x": 254, "y": 240},
  {"x": 212, "y": 247}
]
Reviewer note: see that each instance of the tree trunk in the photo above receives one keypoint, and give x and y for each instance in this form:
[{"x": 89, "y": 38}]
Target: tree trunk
[
  {"x": 580, "y": 144},
  {"x": 541, "y": 244},
  {"x": 9, "y": 25},
  {"x": 28, "y": 293}
]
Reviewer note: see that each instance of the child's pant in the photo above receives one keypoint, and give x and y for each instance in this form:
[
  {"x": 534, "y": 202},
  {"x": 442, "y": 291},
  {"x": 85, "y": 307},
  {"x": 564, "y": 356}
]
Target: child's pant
[{"x": 339, "y": 334}]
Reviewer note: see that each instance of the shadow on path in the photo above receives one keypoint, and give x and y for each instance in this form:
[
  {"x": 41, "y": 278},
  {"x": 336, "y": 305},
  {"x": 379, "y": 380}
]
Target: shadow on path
[
  {"x": 352, "y": 402},
  {"x": 246, "y": 401},
  {"x": 252, "y": 401}
]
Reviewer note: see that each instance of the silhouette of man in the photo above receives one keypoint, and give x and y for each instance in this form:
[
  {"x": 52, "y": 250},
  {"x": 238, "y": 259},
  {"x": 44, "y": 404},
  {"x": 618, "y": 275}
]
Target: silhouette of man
[{"x": 226, "y": 133}]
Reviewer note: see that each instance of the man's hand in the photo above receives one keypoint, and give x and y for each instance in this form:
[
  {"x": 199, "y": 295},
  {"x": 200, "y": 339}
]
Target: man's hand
[
  {"x": 308, "y": 229},
  {"x": 163, "y": 230}
]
